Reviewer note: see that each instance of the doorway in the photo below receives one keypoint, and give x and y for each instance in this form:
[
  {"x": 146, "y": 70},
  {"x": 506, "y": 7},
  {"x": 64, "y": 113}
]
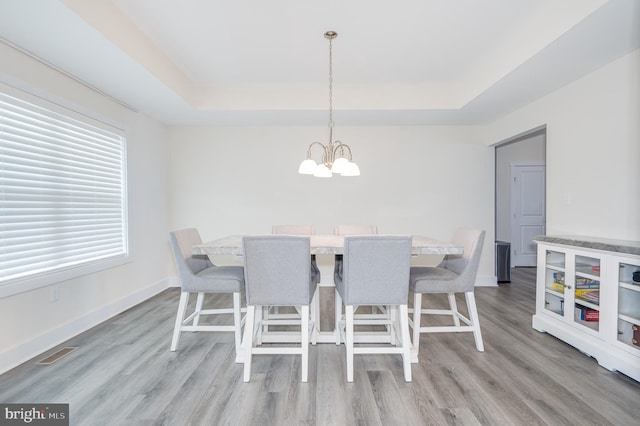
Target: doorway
[{"x": 524, "y": 154}]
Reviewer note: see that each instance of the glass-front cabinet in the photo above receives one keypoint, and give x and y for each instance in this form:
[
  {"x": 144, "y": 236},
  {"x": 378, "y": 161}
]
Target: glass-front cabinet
[
  {"x": 628, "y": 281},
  {"x": 588, "y": 295}
]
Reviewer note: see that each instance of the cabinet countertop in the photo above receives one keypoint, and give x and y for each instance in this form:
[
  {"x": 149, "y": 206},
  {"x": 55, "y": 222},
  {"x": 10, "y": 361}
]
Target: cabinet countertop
[{"x": 605, "y": 244}]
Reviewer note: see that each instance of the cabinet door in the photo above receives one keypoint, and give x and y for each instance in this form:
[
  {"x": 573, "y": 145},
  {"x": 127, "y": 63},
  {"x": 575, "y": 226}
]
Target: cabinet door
[
  {"x": 586, "y": 291},
  {"x": 628, "y": 306},
  {"x": 552, "y": 281}
]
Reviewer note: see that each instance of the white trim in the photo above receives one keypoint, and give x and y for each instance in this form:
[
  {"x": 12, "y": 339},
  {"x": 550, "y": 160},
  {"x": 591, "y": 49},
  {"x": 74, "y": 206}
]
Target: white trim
[
  {"x": 486, "y": 281},
  {"x": 16, "y": 355}
]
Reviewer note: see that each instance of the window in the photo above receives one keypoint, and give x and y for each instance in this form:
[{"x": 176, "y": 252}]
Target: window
[{"x": 62, "y": 191}]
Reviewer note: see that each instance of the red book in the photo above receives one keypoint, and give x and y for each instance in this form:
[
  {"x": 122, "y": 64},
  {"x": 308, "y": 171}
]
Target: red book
[{"x": 591, "y": 315}]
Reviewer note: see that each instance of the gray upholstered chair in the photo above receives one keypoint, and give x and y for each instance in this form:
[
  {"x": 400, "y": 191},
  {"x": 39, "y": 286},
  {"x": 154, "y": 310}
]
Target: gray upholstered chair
[
  {"x": 299, "y": 230},
  {"x": 294, "y": 229},
  {"x": 278, "y": 273},
  {"x": 350, "y": 230},
  {"x": 355, "y": 230},
  {"x": 376, "y": 272},
  {"x": 337, "y": 266},
  {"x": 456, "y": 274},
  {"x": 198, "y": 275}
]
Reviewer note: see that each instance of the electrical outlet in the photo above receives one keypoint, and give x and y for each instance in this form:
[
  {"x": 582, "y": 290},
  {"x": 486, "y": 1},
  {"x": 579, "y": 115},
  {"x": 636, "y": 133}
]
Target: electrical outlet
[{"x": 54, "y": 296}]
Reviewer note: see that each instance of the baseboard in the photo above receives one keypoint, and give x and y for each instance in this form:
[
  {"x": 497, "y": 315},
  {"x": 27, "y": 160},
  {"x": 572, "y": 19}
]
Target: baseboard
[
  {"x": 21, "y": 353},
  {"x": 486, "y": 281}
]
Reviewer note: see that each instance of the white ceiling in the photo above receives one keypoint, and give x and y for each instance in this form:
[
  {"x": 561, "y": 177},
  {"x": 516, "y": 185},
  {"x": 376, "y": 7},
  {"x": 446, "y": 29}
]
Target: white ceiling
[{"x": 256, "y": 62}]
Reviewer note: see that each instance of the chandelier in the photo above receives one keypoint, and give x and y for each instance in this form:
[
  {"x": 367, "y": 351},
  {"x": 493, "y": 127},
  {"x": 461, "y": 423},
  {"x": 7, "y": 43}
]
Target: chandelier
[{"x": 336, "y": 156}]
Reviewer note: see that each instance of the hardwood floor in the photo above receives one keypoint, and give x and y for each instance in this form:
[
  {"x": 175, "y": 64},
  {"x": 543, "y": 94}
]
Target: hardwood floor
[{"x": 124, "y": 374}]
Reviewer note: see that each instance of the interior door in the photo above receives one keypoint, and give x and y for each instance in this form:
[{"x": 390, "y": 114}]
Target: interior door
[{"x": 527, "y": 211}]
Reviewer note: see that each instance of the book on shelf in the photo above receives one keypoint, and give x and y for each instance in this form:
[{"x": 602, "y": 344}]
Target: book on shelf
[
  {"x": 591, "y": 296},
  {"x": 587, "y": 314},
  {"x": 587, "y": 283}
]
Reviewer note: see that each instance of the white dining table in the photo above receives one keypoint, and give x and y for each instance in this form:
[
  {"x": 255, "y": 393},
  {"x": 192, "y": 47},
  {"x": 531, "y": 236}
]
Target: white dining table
[{"x": 325, "y": 245}]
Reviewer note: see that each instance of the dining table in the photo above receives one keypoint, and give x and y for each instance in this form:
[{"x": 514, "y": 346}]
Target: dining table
[{"x": 327, "y": 245}]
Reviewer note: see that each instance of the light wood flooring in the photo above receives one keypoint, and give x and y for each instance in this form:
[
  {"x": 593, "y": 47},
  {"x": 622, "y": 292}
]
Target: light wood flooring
[{"x": 124, "y": 374}]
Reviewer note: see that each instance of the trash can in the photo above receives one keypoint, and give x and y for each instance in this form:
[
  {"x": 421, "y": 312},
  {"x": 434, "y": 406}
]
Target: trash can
[{"x": 503, "y": 261}]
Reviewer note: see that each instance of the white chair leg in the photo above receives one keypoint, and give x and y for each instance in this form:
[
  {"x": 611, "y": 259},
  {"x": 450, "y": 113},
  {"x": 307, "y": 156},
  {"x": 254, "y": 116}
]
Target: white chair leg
[
  {"x": 338, "y": 315},
  {"x": 349, "y": 341},
  {"x": 417, "y": 315},
  {"x": 454, "y": 308},
  {"x": 199, "y": 302},
  {"x": 182, "y": 307},
  {"x": 261, "y": 313},
  {"x": 406, "y": 343},
  {"x": 248, "y": 341},
  {"x": 237, "y": 321},
  {"x": 475, "y": 320},
  {"x": 315, "y": 317},
  {"x": 392, "y": 316},
  {"x": 305, "y": 342}
]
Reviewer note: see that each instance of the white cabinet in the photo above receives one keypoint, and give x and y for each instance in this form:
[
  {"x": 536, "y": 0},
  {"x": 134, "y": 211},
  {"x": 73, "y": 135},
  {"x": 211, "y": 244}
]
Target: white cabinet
[{"x": 586, "y": 296}]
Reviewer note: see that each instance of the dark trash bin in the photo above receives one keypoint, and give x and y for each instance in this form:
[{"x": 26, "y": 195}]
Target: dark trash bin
[{"x": 503, "y": 261}]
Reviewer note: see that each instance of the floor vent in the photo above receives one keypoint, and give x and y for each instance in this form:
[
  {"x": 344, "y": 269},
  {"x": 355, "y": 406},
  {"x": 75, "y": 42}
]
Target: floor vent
[{"x": 56, "y": 356}]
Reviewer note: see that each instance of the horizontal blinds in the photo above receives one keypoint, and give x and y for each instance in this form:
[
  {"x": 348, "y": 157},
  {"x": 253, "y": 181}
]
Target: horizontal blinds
[{"x": 62, "y": 193}]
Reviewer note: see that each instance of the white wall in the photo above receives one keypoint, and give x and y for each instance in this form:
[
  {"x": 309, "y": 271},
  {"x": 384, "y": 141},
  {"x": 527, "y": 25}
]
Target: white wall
[
  {"x": 593, "y": 151},
  {"x": 421, "y": 180},
  {"x": 31, "y": 323}
]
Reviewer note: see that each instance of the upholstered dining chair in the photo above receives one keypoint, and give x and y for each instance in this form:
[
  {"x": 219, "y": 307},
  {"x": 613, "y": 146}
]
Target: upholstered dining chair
[
  {"x": 337, "y": 265},
  {"x": 376, "y": 272},
  {"x": 197, "y": 274},
  {"x": 455, "y": 274},
  {"x": 277, "y": 273},
  {"x": 350, "y": 230},
  {"x": 293, "y": 229},
  {"x": 299, "y": 230}
]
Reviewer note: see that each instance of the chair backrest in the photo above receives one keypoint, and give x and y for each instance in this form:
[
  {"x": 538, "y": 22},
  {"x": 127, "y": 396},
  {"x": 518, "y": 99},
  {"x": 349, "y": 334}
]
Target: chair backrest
[
  {"x": 466, "y": 265},
  {"x": 188, "y": 266},
  {"x": 278, "y": 270},
  {"x": 294, "y": 229},
  {"x": 376, "y": 270},
  {"x": 355, "y": 229}
]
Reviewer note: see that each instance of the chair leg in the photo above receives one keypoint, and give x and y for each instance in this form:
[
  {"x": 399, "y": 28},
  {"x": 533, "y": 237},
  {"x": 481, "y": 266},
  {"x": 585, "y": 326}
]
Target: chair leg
[
  {"x": 392, "y": 317},
  {"x": 454, "y": 308},
  {"x": 237, "y": 321},
  {"x": 417, "y": 315},
  {"x": 315, "y": 315},
  {"x": 248, "y": 341},
  {"x": 406, "y": 343},
  {"x": 349, "y": 341},
  {"x": 475, "y": 320},
  {"x": 199, "y": 302},
  {"x": 182, "y": 307},
  {"x": 304, "y": 341},
  {"x": 261, "y": 313},
  {"x": 338, "y": 317}
]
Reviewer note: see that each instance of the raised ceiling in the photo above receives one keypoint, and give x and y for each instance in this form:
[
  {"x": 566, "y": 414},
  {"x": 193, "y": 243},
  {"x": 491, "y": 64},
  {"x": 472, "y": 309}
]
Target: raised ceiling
[{"x": 256, "y": 62}]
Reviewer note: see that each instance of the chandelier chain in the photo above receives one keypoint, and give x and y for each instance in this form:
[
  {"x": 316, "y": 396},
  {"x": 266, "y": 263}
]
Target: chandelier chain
[{"x": 331, "y": 83}]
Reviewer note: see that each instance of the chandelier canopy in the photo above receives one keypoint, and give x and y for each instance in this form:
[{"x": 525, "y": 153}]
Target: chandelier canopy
[{"x": 336, "y": 156}]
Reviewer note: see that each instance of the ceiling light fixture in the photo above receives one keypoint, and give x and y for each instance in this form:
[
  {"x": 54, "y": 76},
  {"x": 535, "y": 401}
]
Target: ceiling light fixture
[{"x": 336, "y": 156}]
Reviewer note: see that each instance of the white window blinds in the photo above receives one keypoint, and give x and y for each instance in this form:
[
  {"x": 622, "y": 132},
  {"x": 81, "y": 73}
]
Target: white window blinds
[{"x": 62, "y": 189}]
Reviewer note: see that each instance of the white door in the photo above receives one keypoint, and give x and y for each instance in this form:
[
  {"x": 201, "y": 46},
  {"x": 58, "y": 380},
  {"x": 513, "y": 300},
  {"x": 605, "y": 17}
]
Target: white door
[{"x": 527, "y": 211}]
